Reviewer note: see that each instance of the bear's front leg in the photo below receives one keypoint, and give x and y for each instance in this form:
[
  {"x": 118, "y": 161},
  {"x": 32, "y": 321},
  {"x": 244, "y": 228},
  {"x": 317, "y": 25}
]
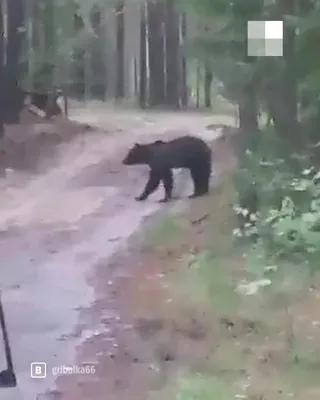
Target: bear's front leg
[
  {"x": 151, "y": 186},
  {"x": 167, "y": 180}
]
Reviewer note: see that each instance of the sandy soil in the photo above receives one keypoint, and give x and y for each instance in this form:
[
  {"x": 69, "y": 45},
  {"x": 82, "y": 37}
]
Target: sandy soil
[{"x": 66, "y": 214}]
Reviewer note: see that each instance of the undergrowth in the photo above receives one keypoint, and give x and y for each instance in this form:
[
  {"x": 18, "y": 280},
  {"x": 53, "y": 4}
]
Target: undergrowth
[
  {"x": 283, "y": 221},
  {"x": 262, "y": 291}
]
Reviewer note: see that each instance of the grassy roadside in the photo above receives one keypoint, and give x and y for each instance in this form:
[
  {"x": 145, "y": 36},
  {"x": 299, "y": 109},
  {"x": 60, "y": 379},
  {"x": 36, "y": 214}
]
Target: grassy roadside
[{"x": 219, "y": 341}]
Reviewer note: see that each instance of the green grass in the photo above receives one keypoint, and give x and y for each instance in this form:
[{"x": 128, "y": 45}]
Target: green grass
[
  {"x": 197, "y": 387},
  {"x": 206, "y": 280},
  {"x": 163, "y": 231}
]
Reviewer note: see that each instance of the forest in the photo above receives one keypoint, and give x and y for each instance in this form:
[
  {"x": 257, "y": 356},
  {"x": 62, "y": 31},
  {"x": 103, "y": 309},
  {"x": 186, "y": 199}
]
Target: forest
[{"x": 223, "y": 295}]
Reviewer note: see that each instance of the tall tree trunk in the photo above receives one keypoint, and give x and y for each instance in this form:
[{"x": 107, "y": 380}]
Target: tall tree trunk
[
  {"x": 135, "y": 76},
  {"x": 207, "y": 80},
  {"x": 248, "y": 109},
  {"x": 143, "y": 58},
  {"x": 132, "y": 43},
  {"x": 172, "y": 54},
  {"x": 77, "y": 67},
  {"x": 48, "y": 28},
  {"x": 198, "y": 86},
  {"x": 87, "y": 76},
  {"x": 12, "y": 74},
  {"x": 2, "y": 100},
  {"x": 155, "y": 11},
  {"x": 290, "y": 74},
  {"x": 282, "y": 90},
  {"x": 247, "y": 138},
  {"x": 63, "y": 79},
  {"x": 120, "y": 10},
  {"x": 248, "y": 120},
  {"x": 308, "y": 98},
  {"x": 97, "y": 59},
  {"x": 110, "y": 23},
  {"x": 207, "y": 85},
  {"x": 184, "y": 83}
]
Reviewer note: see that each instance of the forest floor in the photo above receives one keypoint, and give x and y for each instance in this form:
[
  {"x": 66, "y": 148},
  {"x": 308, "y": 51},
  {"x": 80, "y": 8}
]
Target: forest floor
[{"x": 150, "y": 303}]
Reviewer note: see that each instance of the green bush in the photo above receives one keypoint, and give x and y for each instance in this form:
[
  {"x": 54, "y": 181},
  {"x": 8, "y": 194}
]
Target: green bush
[{"x": 279, "y": 203}]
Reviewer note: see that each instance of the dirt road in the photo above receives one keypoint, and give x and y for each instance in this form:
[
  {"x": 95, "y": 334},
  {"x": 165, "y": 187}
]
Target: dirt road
[{"x": 57, "y": 224}]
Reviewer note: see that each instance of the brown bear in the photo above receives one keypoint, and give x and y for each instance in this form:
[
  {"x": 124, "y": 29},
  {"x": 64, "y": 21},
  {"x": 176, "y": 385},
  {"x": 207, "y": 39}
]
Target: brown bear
[{"x": 185, "y": 152}]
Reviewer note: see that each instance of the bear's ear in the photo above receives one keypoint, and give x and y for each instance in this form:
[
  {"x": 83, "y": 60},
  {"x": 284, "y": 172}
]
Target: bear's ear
[{"x": 137, "y": 145}]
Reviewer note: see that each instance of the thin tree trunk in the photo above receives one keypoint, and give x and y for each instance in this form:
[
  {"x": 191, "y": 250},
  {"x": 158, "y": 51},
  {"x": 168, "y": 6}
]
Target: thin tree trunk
[
  {"x": 2, "y": 101},
  {"x": 172, "y": 54},
  {"x": 156, "y": 53},
  {"x": 207, "y": 85},
  {"x": 111, "y": 53},
  {"x": 308, "y": 97},
  {"x": 198, "y": 86},
  {"x": 248, "y": 119},
  {"x": 68, "y": 28},
  {"x": 282, "y": 91},
  {"x": 135, "y": 76},
  {"x": 28, "y": 64},
  {"x": 143, "y": 58},
  {"x": 48, "y": 27},
  {"x": 98, "y": 64},
  {"x": 87, "y": 76},
  {"x": 14, "y": 95},
  {"x": 120, "y": 9},
  {"x": 248, "y": 110},
  {"x": 184, "y": 84},
  {"x": 248, "y": 138},
  {"x": 66, "y": 104},
  {"x": 131, "y": 48},
  {"x": 290, "y": 75}
]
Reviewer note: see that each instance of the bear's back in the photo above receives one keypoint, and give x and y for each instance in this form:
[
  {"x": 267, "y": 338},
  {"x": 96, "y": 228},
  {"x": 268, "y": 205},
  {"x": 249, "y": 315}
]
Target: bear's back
[{"x": 179, "y": 153}]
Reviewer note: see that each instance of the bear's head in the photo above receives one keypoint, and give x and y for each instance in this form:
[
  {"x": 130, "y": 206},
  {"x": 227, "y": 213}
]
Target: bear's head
[{"x": 140, "y": 153}]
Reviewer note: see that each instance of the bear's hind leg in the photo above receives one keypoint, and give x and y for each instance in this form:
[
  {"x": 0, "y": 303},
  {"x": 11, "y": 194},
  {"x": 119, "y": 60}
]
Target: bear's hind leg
[
  {"x": 200, "y": 174},
  {"x": 206, "y": 177}
]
